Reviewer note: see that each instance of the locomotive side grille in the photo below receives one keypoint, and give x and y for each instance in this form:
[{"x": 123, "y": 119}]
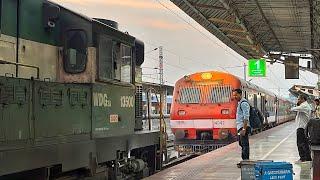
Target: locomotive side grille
[
  {"x": 7, "y": 94},
  {"x": 208, "y": 94},
  {"x": 21, "y": 94},
  {"x": 138, "y": 101}
]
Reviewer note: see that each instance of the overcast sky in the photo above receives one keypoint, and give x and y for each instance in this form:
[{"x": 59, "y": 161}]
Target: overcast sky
[{"x": 188, "y": 47}]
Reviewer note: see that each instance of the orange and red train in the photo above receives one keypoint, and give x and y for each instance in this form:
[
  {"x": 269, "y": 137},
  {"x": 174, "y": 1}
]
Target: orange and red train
[{"x": 203, "y": 107}]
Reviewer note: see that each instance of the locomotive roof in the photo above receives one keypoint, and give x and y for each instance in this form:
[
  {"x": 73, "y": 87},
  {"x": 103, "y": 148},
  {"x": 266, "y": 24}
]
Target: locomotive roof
[{"x": 88, "y": 18}]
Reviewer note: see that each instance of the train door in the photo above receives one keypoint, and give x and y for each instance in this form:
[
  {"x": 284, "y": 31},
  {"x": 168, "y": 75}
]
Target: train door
[
  {"x": 250, "y": 98},
  {"x": 255, "y": 100},
  {"x": 263, "y": 108},
  {"x": 276, "y": 109},
  {"x": 259, "y": 102}
]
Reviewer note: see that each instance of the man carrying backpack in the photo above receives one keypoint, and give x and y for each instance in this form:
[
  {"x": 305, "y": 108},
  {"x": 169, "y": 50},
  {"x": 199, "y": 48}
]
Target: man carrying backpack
[
  {"x": 243, "y": 124},
  {"x": 303, "y": 115}
]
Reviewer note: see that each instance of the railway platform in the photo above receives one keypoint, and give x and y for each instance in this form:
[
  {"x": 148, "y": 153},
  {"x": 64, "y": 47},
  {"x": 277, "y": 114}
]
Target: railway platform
[{"x": 278, "y": 144}]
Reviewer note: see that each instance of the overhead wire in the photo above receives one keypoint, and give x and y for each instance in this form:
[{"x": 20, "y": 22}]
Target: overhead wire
[
  {"x": 172, "y": 65},
  {"x": 192, "y": 60},
  {"x": 202, "y": 33},
  {"x": 208, "y": 37}
]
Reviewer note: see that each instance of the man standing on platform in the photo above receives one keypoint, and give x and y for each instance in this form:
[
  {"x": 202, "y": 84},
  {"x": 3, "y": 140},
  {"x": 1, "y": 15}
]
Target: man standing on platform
[
  {"x": 303, "y": 115},
  {"x": 242, "y": 121}
]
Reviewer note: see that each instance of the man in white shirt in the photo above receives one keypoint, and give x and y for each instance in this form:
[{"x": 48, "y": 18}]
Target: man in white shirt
[{"x": 303, "y": 115}]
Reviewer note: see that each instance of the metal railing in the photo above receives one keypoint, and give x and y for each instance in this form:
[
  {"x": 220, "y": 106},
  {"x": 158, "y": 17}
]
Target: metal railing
[{"x": 24, "y": 65}]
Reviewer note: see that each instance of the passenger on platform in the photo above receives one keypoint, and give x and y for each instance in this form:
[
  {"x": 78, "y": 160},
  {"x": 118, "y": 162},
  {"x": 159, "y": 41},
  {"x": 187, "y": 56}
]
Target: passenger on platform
[
  {"x": 303, "y": 115},
  {"x": 243, "y": 124},
  {"x": 317, "y": 108}
]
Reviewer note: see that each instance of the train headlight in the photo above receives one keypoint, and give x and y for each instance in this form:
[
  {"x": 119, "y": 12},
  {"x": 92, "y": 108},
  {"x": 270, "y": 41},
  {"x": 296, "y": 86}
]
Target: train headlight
[
  {"x": 181, "y": 112},
  {"x": 225, "y": 111},
  {"x": 206, "y": 75}
]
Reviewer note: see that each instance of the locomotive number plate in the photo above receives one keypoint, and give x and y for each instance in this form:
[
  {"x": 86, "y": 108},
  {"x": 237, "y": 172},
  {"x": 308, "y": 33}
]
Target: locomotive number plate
[
  {"x": 218, "y": 124},
  {"x": 114, "y": 118}
]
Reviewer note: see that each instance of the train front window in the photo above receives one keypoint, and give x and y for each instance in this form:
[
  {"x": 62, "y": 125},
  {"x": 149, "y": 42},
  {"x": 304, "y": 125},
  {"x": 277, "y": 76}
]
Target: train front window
[
  {"x": 207, "y": 94},
  {"x": 75, "y": 51},
  {"x": 189, "y": 95},
  {"x": 220, "y": 94}
]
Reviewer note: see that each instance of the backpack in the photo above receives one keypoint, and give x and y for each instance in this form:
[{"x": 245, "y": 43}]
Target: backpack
[
  {"x": 254, "y": 118},
  {"x": 313, "y": 131}
]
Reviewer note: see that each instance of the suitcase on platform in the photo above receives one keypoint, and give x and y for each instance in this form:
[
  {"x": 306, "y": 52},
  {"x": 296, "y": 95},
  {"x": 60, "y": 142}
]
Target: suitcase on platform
[{"x": 313, "y": 131}]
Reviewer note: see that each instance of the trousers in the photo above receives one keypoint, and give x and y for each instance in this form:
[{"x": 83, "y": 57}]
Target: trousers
[
  {"x": 303, "y": 145},
  {"x": 244, "y": 143}
]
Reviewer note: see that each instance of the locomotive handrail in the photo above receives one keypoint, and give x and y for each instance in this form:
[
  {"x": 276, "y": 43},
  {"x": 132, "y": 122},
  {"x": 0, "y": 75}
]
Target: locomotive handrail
[
  {"x": 154, "y": 116},
  {"x": 20, "y": 64},
  {"x": 163, "y": 131}
]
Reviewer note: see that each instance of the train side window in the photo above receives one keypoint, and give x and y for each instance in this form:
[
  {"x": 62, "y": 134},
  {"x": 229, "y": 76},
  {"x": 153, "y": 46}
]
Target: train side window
[
  {"x": 105, "y": 58},
  {"x": 116, "y": 60},
  {"x": 122, "y": 56},
  {"x": 75, "y": 51},
  {"x": 126, "y": 56}
]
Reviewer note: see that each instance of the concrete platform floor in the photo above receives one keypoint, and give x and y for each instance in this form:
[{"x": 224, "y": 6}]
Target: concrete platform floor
[{"x": 278, "y": 144}]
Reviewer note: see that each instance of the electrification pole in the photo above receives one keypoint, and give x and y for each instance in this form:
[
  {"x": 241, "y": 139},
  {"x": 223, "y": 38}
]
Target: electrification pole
[
  {"x": 161, "y": 65},
  {"x": 163, "y": 139}
]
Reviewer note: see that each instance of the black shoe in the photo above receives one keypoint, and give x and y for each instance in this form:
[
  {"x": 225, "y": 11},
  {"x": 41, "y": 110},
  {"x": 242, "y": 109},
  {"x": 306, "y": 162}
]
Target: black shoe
[{"x": 239, "y": 165}]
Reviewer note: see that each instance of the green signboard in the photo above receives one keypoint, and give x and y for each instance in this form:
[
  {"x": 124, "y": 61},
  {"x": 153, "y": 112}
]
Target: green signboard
[{"x": 257, "y": 67}]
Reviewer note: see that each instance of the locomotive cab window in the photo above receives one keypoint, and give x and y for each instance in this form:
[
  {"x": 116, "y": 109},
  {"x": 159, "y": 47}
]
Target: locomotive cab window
[
  {"x": 122, "y": 62},
  {"x": 75, "y": 51},
  {"x": 105, "y": 58},
  {"x": 115, "y": 60},
  {"x": 125, "y": 63}
]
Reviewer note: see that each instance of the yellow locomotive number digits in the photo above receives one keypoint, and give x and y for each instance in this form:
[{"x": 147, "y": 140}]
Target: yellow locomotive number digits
[{"x": 126, "y": 101}]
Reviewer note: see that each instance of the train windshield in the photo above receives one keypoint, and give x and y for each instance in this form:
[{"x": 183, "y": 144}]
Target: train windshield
[
  {"x": 190, "y": 95},
  {"x": 205, "y": 94}
]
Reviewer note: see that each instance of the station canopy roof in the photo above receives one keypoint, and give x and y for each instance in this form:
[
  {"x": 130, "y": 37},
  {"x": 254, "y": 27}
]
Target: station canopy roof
[{"x": 255, "y": 28}]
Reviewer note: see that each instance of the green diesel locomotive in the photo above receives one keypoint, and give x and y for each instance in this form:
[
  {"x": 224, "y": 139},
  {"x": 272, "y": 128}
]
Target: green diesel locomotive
[{"x": 70, "y": 104}]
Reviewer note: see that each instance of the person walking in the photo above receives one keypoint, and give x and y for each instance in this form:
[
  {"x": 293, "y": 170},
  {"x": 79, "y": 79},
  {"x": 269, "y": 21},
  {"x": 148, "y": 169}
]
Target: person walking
[
  {"x": 302, "y": 118},
  {"x": 242, "y": 122}
]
